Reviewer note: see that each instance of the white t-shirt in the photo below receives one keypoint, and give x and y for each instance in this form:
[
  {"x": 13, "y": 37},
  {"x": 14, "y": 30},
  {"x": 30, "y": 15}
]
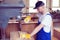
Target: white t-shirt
[{"x": 46, "y": 20}]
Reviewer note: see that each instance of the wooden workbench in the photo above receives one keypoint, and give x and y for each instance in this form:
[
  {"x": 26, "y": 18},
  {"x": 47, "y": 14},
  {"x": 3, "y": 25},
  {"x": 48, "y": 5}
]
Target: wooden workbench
[{"x": 57, "y": 32}]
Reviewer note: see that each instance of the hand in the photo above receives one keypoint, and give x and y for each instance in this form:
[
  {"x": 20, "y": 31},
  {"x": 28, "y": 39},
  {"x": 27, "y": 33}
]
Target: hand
[{"x": 31, "y": 35}]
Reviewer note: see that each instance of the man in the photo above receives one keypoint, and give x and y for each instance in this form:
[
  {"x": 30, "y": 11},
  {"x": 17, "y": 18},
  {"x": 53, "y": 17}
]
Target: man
[{"x": 43, "y": 30}]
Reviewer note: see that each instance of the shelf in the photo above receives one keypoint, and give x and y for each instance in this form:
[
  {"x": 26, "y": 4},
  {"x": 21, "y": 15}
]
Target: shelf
[{"x": 12, "y": 21}]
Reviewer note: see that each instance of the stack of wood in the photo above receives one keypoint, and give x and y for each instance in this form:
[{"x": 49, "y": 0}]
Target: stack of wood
[{"x": 20, "y": 36}]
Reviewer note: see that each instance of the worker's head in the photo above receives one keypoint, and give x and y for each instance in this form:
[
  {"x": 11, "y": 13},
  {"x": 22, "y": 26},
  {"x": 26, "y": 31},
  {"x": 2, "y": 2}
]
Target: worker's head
[{"x": 40, "y": 6}]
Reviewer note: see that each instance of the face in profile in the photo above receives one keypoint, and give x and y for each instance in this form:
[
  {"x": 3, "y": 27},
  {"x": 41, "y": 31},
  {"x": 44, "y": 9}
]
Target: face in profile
[{"x": 41, "y": 9}]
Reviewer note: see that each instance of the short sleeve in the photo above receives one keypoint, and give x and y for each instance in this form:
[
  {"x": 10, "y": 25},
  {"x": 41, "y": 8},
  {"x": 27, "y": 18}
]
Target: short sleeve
[{"x": 46, "y": 20}]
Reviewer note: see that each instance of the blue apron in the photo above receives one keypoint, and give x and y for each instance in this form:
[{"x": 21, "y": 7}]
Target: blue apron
[{"x": 41, "y": 35}]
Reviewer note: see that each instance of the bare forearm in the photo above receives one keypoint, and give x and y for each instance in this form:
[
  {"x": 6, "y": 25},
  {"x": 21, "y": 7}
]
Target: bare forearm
[{"x": 36, "y": 29}]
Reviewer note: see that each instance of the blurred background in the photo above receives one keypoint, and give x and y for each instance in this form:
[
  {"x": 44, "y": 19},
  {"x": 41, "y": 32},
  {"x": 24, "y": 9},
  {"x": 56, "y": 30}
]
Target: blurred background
[{"x": 13, "y": 13}]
